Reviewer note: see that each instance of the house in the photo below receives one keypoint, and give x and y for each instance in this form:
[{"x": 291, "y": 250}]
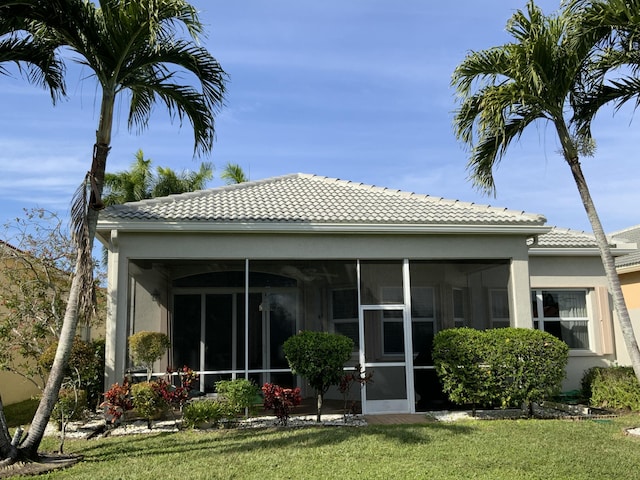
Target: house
[
  {"x": 230, "y": 273},
  {"x": 38, "y": 284},
  {"x": 628, "y": 267},
  {"x": 13, "y": 387}
]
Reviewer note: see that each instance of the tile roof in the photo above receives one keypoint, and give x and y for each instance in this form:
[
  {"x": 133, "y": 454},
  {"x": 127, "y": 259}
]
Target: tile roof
[
  {"x": 566, "y": 238},
  {"x": 311, "y": 199},
  {"x": 628, "y": 235}
]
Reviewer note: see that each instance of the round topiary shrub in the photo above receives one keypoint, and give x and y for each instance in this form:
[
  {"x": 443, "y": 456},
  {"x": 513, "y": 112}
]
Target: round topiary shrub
[
  {"x": 318, "y": 357},
  {"x": 147, "y": 347}
]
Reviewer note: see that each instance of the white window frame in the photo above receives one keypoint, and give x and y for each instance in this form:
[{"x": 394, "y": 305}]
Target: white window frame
[
  {"x": 429, "y": 291},
  {"x": 541, "y": 319}
]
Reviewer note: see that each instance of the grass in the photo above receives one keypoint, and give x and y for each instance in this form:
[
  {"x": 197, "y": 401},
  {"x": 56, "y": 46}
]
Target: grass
[{"x": 498, "y": 449}]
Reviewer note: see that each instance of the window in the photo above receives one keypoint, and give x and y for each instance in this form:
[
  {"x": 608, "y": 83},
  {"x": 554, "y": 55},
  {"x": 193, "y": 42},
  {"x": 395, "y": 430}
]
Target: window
[
  {"x": 344, "y": 309},
  {"x": 459, "y": 304},
  {"x": 562, "y": 313},
  {"x": 422, "y": 321},
  {"x": 499, "y": 304}
]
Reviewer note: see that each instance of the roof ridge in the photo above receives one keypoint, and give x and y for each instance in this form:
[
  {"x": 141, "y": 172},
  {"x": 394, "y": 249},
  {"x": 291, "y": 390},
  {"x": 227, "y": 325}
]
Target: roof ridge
[{"x": 625, "y": 230}]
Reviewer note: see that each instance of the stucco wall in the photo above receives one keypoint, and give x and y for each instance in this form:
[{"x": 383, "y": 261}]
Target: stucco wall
[
  {"x": 14, "y": 388},
  {"x": 581, "y": 272}
]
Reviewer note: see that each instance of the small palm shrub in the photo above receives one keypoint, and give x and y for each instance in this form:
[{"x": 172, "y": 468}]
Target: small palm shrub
[{"x": 199, "y": 413}]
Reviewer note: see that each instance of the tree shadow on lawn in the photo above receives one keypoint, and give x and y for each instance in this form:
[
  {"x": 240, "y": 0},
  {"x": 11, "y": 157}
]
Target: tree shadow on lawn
[{"x": 247, "y": 440}]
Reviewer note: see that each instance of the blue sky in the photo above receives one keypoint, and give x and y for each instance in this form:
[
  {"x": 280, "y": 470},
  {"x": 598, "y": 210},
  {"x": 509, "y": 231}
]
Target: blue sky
[{"x": 353, "y": 89}]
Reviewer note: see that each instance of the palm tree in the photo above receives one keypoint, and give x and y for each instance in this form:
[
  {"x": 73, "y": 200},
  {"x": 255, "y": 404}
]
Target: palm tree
[
  {"x": 134, "y": 47},
  {"x": 140, "y": 183},
  {"x": 505, "y": 89},
  {"x": 34, "y": 57},
  {"x": 615, "y": 27},
  {"x": 168, "y": 182},
  {"x": 130, "y": 185},
  {"x": 233, "y": 173}
]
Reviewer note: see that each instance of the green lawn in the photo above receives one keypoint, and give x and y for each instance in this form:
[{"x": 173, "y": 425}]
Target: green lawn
[{"x": 498, "y": 449}]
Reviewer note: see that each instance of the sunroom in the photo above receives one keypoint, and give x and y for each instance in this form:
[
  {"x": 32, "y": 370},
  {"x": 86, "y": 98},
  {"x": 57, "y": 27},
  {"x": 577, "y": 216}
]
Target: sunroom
[{"x": 230, "y": 273}]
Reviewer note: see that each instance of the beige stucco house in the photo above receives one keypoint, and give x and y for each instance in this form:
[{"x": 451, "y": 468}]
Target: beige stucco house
[
  {"x": 230, "y": 273},
  {"x": 13, "y": 387}
]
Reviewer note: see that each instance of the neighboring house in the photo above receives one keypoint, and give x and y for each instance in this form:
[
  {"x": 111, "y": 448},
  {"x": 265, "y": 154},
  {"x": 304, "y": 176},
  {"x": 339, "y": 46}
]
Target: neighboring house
[
  {"x": 13, "y": 387},
  {"x": 628, "y": 267},
  {"x": 230, "y": 273}
]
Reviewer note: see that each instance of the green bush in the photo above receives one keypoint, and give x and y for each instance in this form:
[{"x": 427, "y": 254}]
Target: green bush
[
  {"x": 611, "y": 387},
  {"x": 505, "y": 367},
  {"x": 71, "y": 405},
  {"x": 319, "y": 357},
  {"x": 238, "y": 395},
  {"x": 147, "y": 401},
  {"x": 86, "y": 364},
  {"x": 199, "y": 412},
  {"x": 147, "y": 347}
]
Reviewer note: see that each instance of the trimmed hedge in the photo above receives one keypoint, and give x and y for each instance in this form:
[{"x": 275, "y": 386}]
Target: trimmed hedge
[
  {"x": 499, "y": 367},
  {"x": 611, "y": 387}
]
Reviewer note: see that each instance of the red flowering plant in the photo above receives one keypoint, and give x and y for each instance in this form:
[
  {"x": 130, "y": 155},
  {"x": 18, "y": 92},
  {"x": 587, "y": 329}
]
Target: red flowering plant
[
  {"x": 176, "y": 396},
  {"x": 357, "y": 376},
  {"x": 281, "y": 400},
  {"x": 117, "y": 400}
]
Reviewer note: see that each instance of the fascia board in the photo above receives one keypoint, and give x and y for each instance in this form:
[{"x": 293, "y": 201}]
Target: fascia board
[
  {"x": 628, "y": 269},
  {"x": 290, "y": 227},
  {"x": 573, "y": 251}
]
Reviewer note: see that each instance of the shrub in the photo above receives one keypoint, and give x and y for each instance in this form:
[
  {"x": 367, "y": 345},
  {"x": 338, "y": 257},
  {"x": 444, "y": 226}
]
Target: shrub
[
  {"x": 239, "y": 395},
  {"x": 319, "y": 357},
  {"x": 200, "y": 412},
  {"x": 86, "y": 364},
  {"x": 611, "y": 387},
  {"x": 147, "y": 347},
  {"x": 176, "y": 396},
  {"x": 506, "y": 367},
  {"x": 358, "y": 376},
  {"x": 71, "y": 405},
  {"x": 146, "y": 400},
  {"x": 280, "y": 400},
  {"x": 117, "y": 400}
]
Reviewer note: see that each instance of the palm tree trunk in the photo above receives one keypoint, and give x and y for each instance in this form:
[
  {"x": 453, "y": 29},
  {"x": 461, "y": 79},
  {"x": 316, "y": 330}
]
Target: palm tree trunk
[
  {"x": 613, "y": 281},
  {"x": 8, "y": 452},
  {"x": 609, "y": 267},
  {"x": 29, "y": 448}
]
